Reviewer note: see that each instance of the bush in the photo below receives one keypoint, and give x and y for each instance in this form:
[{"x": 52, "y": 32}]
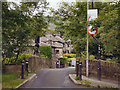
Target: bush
[
  {"x": 63, "y": 60},
  {"x": 69, "y": 55},
  {"x": 46, "y": 51},
  {"x": 77, "y": 78},
  {"x": 92, "y": 57},
  {"x": 21, "y": 58},
  {"x": 83, "y": 54},
  {"x": 70, "y": 59}
]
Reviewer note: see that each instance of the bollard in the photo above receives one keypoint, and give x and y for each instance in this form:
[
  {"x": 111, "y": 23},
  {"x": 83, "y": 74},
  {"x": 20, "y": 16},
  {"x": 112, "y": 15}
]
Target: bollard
[
  {"x": 77, "y": 68},
  {"x": 80, "y": 74},
  {"x": 22, "y": 72},
  {"x": 57, "y": 64},
  {"x": 69, "y": 63},
  {"x": 27, "y": 67}
]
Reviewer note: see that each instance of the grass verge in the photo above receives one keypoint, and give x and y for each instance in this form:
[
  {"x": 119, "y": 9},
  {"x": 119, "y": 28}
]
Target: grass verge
[{"x": 11, "y": 80}]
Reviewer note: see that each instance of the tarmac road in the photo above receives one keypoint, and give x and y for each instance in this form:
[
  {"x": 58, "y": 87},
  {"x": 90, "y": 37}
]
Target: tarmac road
[{"x": 53, "y": 78}]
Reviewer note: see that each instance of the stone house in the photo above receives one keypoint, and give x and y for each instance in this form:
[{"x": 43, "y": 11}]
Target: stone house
[
  {"x": 59, "y": 46},
  {"x": 56, "y": 42}
]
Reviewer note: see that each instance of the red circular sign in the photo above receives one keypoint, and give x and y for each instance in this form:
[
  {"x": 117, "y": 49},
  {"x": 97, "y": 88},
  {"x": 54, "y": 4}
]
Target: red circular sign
[{"x": 91, "y": 32}]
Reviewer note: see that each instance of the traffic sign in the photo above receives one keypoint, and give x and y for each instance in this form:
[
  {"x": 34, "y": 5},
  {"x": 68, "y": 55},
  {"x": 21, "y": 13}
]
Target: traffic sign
[
  {"x": 91, "y": 32},
  {"x": 93, "y": 13},
  {"x": 91, "y": 18}
]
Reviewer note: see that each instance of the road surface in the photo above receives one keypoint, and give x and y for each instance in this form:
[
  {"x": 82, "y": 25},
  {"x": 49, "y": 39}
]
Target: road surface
[{"x": 53, "y": 78}]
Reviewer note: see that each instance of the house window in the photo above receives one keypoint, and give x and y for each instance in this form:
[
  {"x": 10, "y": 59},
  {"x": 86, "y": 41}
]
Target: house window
[{"x": 57, "y": 51}]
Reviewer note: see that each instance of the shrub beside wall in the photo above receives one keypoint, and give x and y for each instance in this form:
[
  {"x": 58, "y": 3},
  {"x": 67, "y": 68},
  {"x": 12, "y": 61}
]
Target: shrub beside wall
[
  {"x": 69, "y": 55},
  {"x": 46, "y": 51},
  {"x": 21, "y": 58}
]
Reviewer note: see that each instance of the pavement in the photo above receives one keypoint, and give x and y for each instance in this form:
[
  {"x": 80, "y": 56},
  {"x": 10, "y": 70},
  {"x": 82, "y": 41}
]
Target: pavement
[
  {"x": 30, "y": 78},
  {"x": 93, "y": 82}
]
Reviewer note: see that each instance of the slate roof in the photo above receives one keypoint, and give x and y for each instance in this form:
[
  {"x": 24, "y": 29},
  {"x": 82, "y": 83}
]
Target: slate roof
[
  {"x": 57, "y": 44},
  {"x": 51, "y": 37},
  {"x": 60, "y": 39},
  {"x": 44, "y": 44},
  {"x": 43, "y": 39}
]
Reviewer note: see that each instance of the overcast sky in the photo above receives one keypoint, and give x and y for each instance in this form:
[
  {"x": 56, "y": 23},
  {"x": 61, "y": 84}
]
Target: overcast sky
[{"x": 55, "y": 3}]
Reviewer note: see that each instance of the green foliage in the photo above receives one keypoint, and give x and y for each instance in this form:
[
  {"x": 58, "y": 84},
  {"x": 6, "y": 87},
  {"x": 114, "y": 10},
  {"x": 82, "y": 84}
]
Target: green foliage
[
  {"x": 63, "y": 60},
  {"x": 98, "y": 86},
  {"x": 92, "y": 57},
  {"x": 77, "y": 78},
  {"x": 71, "y": 59},
  {"x": 11, "y": 80},
  {"x": 46, "y": 51},
  {"x": 20, "y": 25},
  {"x": 87, "y": 83},
  {"x": 83, "y": 54},
  {"x": 69, "y": 55},
  {"x": 21, "y": 58},
  {"x": 70, "y": 19}
]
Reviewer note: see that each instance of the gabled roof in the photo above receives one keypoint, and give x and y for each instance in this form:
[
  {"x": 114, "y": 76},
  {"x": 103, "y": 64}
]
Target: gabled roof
[
  {"x": 44, "y": 44},
  {"x": 60, "y": 39},
  {"x": 44, "y": 39},
  {"x": 51, "y": 37},
  {"x": 57, "y": 45}
]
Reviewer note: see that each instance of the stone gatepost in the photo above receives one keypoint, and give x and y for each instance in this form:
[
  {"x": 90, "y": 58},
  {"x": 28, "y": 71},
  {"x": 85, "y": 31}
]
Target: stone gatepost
[{"x": 54, "y": 59}]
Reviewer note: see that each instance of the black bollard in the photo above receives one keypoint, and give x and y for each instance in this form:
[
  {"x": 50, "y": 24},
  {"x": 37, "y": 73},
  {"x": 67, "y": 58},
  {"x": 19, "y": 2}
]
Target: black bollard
[
  {"x": 57, "y": 64},
  {"x": 69, "y": 63},
  {"x": 77, "y": 68},
  {"x": 22, "y": 72},
  {"x": 27, "y": 67},
  {"x": 80, "y": 74}
]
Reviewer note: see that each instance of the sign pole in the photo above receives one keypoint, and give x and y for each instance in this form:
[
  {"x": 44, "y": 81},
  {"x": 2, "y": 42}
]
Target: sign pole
[
  {"x": 87, "y": 41},
  {"x": 99, "y": 69}
]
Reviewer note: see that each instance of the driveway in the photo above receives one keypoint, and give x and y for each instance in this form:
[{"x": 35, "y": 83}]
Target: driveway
[{"x": 53, "y": 78}]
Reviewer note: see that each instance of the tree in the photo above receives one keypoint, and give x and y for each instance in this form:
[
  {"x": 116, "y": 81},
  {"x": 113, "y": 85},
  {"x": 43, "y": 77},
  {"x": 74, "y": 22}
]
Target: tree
[
  {"x": 108, "y": 22},
  {"x": 71, "y": 19},
  {"x": 17, "y": 26},
  {"x": 15, "y": 31}
]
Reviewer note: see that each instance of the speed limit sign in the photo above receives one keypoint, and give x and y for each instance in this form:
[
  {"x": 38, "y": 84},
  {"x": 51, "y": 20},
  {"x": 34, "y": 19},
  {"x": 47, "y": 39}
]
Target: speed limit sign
[{"x": 92, "y": 32}]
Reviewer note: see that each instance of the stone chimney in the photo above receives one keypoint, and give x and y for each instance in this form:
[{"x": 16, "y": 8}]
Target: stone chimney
[{"x": 49, "y": 33}]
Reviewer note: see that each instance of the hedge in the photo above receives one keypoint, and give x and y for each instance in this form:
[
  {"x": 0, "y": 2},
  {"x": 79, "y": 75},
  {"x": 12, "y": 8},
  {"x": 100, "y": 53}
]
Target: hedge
[
  {"x": 21, "y": 58},
  {"x": 63, "y": 60},
  {"x": 69, "y": 55},
  {"x": 45, "y": 51}
]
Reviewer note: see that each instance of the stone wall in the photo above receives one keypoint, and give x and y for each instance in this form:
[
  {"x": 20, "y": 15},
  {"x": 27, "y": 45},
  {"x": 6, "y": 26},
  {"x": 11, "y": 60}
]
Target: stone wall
[
  {"x": 12, "y": 69},
  {"x": 35, "y": 63},
  {"x": 110, "y": 70},
  {"x": 54, "y": 59}
]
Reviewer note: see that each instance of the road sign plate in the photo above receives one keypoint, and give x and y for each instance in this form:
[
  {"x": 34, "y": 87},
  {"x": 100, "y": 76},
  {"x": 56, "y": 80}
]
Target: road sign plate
[
  {"x": 92, "y": 14},
  {"x": 92, "y": 32}
]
